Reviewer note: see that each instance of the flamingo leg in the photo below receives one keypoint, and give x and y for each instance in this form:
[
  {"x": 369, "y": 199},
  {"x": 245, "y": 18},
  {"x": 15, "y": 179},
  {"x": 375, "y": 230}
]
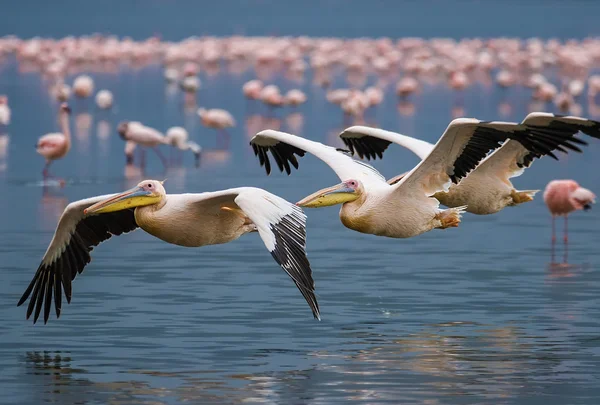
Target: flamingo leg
[
  {"x": 161, "y": 156},
  {"x": 223, "y": 139},
  {"x": 143, "y": 158},
  {"x": 566, "y": 236},
  {"x": 553, "y": 244},
  {"x": 45, "y": 172}
]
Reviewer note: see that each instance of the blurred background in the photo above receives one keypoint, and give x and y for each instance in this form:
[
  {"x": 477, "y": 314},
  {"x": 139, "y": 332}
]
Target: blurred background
[{"x": 474, "y": 314}]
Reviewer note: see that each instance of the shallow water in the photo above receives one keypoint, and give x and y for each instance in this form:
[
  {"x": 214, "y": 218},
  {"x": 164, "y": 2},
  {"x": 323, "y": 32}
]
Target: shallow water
[{"x": 476, "y": 314}]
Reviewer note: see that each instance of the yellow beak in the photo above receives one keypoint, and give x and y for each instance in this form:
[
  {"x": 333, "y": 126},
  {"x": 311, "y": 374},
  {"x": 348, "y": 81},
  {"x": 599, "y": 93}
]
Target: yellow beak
[
  {"x": 136, "y": 197},
  {"x": 326, "y": 197}
]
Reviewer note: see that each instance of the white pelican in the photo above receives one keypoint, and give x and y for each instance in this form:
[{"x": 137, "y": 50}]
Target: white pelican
[
  {"x": 190, "y": 220},
  {"x": 370, "y": 204},
  {"x": 487, "y": 189}
]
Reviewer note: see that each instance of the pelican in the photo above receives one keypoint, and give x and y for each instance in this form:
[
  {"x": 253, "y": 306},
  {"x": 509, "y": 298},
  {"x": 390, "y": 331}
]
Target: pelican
[
  {"x": 407, "y": 208},
  {"x": 487, "y": 189},
  {"x": 190, "y": 220}
]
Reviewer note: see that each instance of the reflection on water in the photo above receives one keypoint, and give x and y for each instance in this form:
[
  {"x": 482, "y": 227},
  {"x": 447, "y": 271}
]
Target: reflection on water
[{"x": 452, "y": 360}]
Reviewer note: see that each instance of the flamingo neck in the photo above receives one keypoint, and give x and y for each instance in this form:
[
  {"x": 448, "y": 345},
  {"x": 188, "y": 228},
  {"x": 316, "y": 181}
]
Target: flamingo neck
[{"x": 64, "y": 125}]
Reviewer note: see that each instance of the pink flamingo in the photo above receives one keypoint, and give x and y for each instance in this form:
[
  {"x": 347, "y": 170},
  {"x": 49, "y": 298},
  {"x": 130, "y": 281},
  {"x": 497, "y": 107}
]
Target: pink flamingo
[
  {"x": 271, "y": 96},
  {"x": 139, "y": 134},
  {"x": 374, "y": 95},
  {"x": 83, "y": 86},
  {"x": 295, "y": 97},
  {"x": 56, "y": 145},
  {"x": 252, "y": 88},
  {"x": 406, "y": 86},
  {"x": 4, "y": 111},
  {"x": 563, "y": 197},
  {"x": 218, "y": 119}
]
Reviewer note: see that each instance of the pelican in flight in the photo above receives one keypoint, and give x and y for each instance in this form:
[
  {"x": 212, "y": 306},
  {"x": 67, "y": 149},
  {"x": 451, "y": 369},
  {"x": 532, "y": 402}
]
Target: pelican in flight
[
  {"x": 190, "y": 220},
  {"x": 407, "y": 208},
  {"x": 487, "y": 189}
]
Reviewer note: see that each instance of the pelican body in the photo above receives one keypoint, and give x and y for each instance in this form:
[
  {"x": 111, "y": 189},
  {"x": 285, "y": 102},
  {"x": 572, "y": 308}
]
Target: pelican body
[
  {"x": 487, "y": 189},
  {"x": 190, "y": 220}
]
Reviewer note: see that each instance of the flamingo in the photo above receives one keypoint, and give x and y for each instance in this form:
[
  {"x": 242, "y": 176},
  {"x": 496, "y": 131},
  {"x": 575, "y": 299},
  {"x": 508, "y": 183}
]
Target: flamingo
[
  {"x": 178, "y": 138},
  {"x": 252, "y": 89},
  {"x": 56, "y": 145},
  {"x": 83, "y": 86},
  {"x": 4, "y": 111},
  {"x": 218, "y": 119},
  {"x": 294, "y": 97},
  {"x": 136, "y": 132},
  {"x": 563, "y": 197},
  {"x": 104, "y": 99}
]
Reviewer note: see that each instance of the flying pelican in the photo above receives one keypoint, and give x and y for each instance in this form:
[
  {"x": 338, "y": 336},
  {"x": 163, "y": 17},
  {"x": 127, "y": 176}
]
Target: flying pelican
[
  {"x": 487, "y": 189},
  {"x": 406, "y": 209},
  {"x": 190, "y": 220}
]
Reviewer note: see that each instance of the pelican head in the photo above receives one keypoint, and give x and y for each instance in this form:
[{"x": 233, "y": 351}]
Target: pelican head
[
  {"x": 147, "y": 192},
  {"x": 347, "y": 191},
  {"x": 122, "y": 129}
]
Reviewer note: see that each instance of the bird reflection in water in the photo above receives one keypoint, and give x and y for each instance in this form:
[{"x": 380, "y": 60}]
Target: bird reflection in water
[
  {"x": 459, "y": 358},
  {"x": 4, "y": 143},
  {"x": 103, "y": 130},
  {"x": 53, "y": 203},
  {"x": 83, "y": 124},
  {"x": 53, "y": 378},
  {"x": 406, "y": 108},
  {"x": 294, "y": 123}
]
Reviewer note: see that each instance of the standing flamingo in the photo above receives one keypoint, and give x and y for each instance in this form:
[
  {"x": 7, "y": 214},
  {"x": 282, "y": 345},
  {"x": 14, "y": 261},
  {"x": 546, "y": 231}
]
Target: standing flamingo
[
  {"x": 563, "y": 197},
  {"x": 83, "y": 86},
  {"x": 104, "y": 99},
  {"x": 136, "y": 132},
  {"x": 56, "y": 145},
  {"x": 4, "y": 111},
  {"x": 218, "y": 119}
]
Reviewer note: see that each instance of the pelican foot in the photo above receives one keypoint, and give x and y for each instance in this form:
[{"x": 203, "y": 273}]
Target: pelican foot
[{"x": 450, "y": 218}]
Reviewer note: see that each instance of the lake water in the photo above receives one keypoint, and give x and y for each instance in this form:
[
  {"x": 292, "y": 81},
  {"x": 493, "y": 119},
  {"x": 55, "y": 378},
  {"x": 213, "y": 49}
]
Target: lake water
[{"x": 476, "y": 314}]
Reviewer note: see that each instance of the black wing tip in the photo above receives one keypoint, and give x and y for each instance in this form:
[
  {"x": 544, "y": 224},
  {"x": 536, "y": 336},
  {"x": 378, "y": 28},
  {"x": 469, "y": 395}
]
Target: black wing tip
[
  {"x": 283, "y": 154},
  {"x": 289, "y": 252},
  {"x": 367, "y": 147}
]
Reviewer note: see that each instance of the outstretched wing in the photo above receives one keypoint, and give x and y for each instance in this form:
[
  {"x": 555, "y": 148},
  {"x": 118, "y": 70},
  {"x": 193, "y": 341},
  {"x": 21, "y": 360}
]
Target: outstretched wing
[
  {"x": 69, "y": 253},
  {"x": 463, "y": 145},
  {"x": 555, "y": 132},
  {"x": 285, "y": 147},
  {"x": 371, "y": 142},
  {"x": 280, "y": 224}
]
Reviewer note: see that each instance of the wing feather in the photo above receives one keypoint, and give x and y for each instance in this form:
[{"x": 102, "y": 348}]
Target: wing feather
[
  {"x": 281, "y": 226},
  {"x": 463, "y": 145},
  {"x": 285, "y": 147},
  {"x": 372, "y": 142},
  {"x": 69, "y": 253}
]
